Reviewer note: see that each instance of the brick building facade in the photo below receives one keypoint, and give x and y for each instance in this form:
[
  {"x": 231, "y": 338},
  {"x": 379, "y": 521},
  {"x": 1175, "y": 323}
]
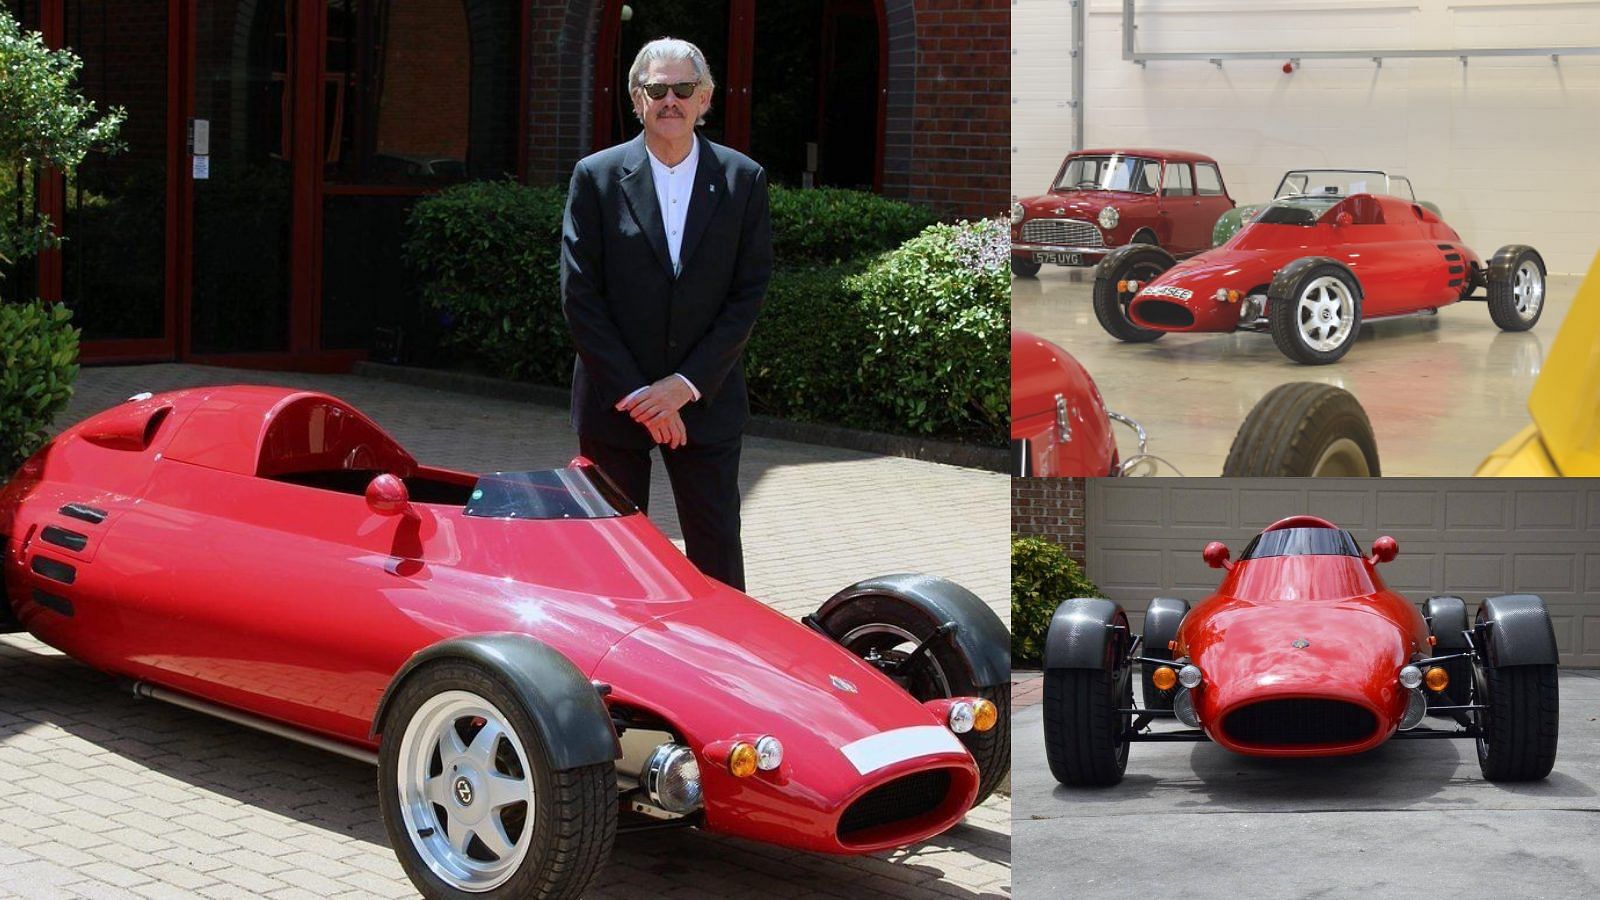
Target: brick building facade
[{"x": 1050, "y": 508}]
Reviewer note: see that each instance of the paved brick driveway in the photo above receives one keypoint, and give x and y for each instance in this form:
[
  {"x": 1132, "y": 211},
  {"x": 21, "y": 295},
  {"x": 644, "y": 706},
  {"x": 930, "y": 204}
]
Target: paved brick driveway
[{"x": 109, "y": 796}]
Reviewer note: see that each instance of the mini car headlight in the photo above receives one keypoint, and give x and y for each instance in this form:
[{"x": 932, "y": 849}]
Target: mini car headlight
[
  {"x": 769, "y": 753},
  {"x": 672, "y": 778},
  {"x": 1190, "y": 677},
  {"x": 1410, "y": 677},
  {"x": 1164, "y": 678},
  {"x": 984, "y": 715},
  {"x": 743, "y": 760},
  {"x": 961, "y": 717},
  {"x": 1109, "y": 217},
  {"x": 1016, "y": 213},
  {"x": 1436, "y": 678}
]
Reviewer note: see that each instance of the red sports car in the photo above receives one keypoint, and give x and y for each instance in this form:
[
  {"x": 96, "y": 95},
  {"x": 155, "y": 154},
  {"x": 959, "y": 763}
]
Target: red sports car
[
  {"x": 1302, "y": 651},
  {"x": 1103, "y": 199},
  {"x": 1059, "y": 425},
  {"x": 1326, "y": 255},
  {"x": 530, "y": 663}
]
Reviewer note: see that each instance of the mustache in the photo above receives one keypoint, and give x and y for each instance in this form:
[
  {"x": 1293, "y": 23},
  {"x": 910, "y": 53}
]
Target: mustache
[{"x": 670, "y": 114}]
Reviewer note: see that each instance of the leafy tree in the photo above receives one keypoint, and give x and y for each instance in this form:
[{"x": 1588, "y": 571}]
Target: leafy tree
[{"x": 45, "y": 124}]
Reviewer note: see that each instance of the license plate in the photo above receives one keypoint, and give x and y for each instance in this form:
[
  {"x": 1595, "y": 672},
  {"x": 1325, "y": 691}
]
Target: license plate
[{"x": 1060, "y": 259}]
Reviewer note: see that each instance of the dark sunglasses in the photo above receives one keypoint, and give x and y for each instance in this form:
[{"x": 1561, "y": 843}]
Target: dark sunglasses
[{"x": 684, "y": 89}]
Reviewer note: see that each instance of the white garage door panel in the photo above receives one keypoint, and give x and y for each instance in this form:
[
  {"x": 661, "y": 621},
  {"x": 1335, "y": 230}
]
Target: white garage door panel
[{"x": 1475, "y": 538}]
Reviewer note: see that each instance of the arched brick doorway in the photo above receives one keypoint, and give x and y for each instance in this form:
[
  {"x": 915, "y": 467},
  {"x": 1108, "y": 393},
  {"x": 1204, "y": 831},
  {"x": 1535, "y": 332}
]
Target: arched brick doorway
[{"x": 799, "y": 87}]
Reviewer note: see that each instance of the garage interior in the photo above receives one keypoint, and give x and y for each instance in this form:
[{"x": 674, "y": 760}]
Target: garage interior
[{"x": 1446, "y": 93}]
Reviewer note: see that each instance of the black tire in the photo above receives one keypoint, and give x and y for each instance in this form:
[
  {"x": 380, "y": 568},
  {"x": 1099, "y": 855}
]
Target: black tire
[
  {"x": 1520, "y": 724},
  {"x": 1155, "y": 647},
  {"x": 990, "y": 749},
  {"x": 1082, "y": 730},
  {"x": 1284, "y": 315},
  {"x": 1144, "y": 236},
  {"x": 1303, "y": 428},
  {"x": 575, "y": 814},
  {"x": 1139, "y": 262},
  {"x": 1024, "y": 268},
  {"x": 1508, "y": 273},
  {"x": 1447, "y": 619}
]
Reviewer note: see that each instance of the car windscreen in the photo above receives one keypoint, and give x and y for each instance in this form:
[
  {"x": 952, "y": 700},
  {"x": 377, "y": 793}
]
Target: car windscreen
[
  {"x": 575, "y": 492},
  {"x": 1302, "y": 542},
  {"x": 1337, "y": 183},
  {"x": 1110, "y": 173}
]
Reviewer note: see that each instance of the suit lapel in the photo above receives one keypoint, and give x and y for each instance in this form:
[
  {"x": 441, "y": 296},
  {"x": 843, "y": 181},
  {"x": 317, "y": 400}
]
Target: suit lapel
[
  {"x": 639, "y": 187},
  {"x": 707, "y": 193}
]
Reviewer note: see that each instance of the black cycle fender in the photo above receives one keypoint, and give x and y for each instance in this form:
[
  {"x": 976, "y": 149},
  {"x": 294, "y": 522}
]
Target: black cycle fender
[
  {"x": 1081, "y": 631},
  {"x": 1520, "y": 633},
  {"x": 982, "y": 638},
  {"x": 565, "y": 706}
]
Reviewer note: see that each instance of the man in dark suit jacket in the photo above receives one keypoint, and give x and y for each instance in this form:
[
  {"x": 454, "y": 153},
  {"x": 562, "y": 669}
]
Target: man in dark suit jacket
[{"x": 666, "y": 253}]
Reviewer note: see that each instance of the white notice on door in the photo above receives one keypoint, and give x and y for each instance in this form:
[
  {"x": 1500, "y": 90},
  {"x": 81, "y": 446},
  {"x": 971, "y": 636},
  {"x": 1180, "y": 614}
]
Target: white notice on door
[{"x": 202, "y": 168}]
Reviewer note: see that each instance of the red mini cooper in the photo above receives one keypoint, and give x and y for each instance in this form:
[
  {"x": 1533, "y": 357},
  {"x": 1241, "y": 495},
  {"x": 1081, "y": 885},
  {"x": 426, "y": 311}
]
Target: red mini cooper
[{"x": 1104, "y": 199}]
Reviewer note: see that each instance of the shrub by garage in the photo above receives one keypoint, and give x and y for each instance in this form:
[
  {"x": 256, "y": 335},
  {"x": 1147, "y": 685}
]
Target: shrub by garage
[{"x": 1042, "y": 575}]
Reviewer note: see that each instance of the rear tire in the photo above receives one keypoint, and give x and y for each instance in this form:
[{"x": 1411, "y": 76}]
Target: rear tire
[
  {"x": 1520, "y": 724},
  {"x": 1516, "y": 290},
  {"x": 1304, "y": 428},
  {"x": 1082, "y": 730},
  {"x": 1024, "y": 268}
]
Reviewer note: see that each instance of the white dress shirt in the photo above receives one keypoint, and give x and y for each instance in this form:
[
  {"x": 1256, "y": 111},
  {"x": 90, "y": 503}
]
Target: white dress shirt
[{"x": 674, "y": 187}]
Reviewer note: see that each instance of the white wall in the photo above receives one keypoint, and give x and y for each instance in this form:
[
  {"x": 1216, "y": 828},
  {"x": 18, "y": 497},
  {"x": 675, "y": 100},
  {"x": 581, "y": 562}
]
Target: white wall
[{"x": 1509, "y": 147}]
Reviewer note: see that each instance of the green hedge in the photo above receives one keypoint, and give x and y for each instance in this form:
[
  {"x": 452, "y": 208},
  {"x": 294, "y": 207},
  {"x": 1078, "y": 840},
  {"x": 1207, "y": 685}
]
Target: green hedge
[
  {"x": 38, "y": 362},
  {"x": 937, "y": 313},
  {"x": 833, "y": 225},
  {"x": 1042, "y": 575},
  {"x": 488, "y": 254},
  {"x": 838, "y": 340}
]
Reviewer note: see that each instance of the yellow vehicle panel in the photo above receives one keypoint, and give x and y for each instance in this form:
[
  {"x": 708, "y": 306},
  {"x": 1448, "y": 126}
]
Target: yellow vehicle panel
[{"x": 1565, "y": 401}]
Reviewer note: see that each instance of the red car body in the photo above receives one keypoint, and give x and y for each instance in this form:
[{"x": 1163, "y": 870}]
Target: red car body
[
  {"x": 1405, "y": 258},
  {"x": 1063, "y": 226},
  {"x": 1059, "y": 423},
  {"x": 1302, "y": 625},
  {"x": 237, "y": 562}
]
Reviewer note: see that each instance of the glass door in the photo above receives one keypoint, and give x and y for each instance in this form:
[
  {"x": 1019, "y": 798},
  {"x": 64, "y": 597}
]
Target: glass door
[{"x": 239, "y": 170}]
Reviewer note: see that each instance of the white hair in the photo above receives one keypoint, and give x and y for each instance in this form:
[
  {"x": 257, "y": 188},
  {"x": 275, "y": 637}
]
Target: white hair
[{"x": 669, "y": 49}]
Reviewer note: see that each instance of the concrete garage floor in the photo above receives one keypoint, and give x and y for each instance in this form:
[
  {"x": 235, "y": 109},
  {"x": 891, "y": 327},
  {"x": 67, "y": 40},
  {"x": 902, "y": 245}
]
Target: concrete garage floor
[
  {"x": 1441, "y": 391},
  {"x": 1410, "y": 818}
]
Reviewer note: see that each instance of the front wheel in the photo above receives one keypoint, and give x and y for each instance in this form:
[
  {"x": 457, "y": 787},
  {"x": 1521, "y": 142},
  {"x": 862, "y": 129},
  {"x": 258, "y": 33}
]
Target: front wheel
[
  {"x": 1117, "y": 278},
  {"x": 884, "y": 630},
  {"x": 1315, "y": 317},
  {"x": 1084, "y": 735},
  {"x": 1024, "y": 268},
  {"x": 1520, "y": 723},
  {"x": 1516, "y": 289},
  {"x": 1304, "y": 428},
  {"x": 470, "y": 802}
]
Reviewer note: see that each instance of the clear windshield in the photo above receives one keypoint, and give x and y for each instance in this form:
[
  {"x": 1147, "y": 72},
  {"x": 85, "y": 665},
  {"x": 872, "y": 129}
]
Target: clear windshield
[
  {"x": 1302, "y": 542},
  {"x": 576, "y": 492},
  {"x": 1110, "y": 173},
  {"x": 1336, "y": 183}
]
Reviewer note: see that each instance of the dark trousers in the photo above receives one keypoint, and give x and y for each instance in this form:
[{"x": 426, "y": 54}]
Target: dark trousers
[{"x": 705, "y": 485}]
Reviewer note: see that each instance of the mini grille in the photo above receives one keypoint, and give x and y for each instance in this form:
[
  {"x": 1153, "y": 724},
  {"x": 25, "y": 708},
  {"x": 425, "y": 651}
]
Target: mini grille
[
  {"x": 1068, "y": 232},
  {"x": 904, "y": 798},
  {"x": 1301, "y": 721}
]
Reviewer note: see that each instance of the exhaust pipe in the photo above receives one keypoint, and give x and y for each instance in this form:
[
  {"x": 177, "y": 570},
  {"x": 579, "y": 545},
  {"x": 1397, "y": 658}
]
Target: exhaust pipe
[{"x": 154, "y": 692}]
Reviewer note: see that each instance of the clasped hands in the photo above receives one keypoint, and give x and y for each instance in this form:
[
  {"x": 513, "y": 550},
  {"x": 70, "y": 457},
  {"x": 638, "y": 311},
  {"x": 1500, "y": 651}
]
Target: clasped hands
[{"x": 656, "y": 408}]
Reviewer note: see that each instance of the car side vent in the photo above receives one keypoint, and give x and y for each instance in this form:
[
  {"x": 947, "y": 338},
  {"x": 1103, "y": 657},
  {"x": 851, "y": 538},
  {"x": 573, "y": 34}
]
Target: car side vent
[{"x": 131, "y": 427}]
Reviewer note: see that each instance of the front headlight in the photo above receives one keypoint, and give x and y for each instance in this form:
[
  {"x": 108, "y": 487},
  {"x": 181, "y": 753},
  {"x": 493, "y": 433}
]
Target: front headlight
[
  {"x": 1190, "y": 677},
  {"x": 1109, "y": 217},
  {"x": 769, "y": 753},
  {"x": 1016, "y": 213},
  {"x": 1410, "y": 677},
  {"x": 962, "y": 717},
  {"x": 672, "y": 779}
]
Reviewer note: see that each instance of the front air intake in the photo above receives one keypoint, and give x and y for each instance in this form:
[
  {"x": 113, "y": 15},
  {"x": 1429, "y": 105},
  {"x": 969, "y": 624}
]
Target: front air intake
[
  {"x": 1164, "y": 312},
  {"x": 1299, "y": 722},
  {"x": 899, "y": 800}
]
